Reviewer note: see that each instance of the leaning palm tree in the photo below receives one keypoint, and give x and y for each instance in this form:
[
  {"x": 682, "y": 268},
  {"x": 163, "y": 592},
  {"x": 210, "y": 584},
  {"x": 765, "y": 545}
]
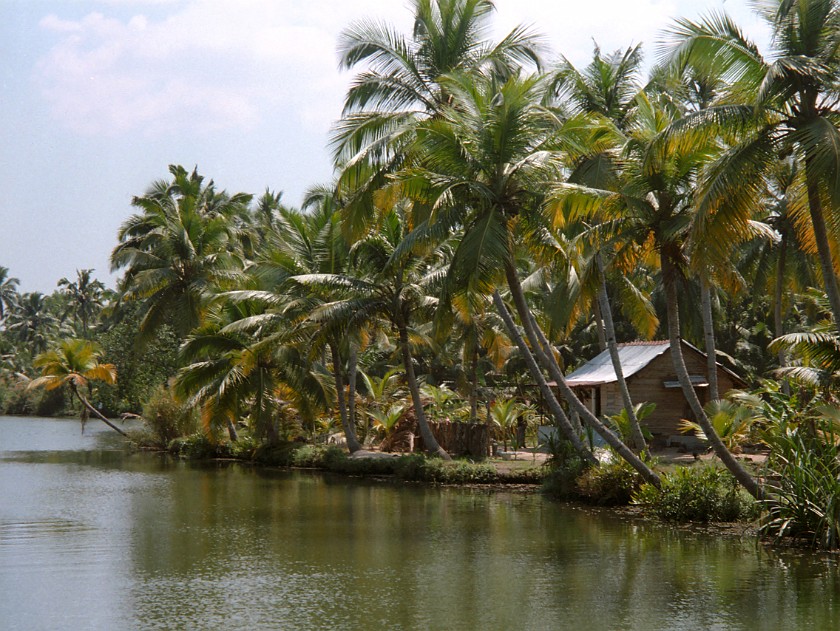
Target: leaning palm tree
[
  {"x": 484, "y": 165},
  {"x": 74, "y": 363},
  {"x": 784, "y": 105},
  {"x": 607, "y": 88},
  {"x": 654, "y": 205}
]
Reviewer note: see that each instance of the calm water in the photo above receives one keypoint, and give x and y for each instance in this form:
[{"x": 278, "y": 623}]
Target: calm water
[{"x": 92, "y": 537}]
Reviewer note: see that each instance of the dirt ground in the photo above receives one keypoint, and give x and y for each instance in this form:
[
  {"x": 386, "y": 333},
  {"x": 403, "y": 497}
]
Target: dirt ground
[{"x": 529, "y": 458}]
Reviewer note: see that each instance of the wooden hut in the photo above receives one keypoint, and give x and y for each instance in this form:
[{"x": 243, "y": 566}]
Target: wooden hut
[{"x": 650, "y": 375}]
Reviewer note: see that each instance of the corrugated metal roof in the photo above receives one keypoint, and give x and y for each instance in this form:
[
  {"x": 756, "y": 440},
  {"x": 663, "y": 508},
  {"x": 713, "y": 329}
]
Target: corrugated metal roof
[{"x": 633, "y": 356}]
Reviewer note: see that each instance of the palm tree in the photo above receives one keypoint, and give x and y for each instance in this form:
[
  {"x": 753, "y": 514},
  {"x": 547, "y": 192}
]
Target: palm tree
[
  {"x": 179, "y": 249},
  {"x": 390, "y": 286},
  {"x": 8, "y": 292},
  {"x": 237, "y": 369},
  {"x": 483, "y": 164},
  {"x": 74, "y": 363},
  {"x": 85, "y": 297},
  {"x": 785, "y": 105},
  {"x": 606, "y": 88},
  {"x": 784, "y": 266},
  {"x": 654, "y": 205},
  {"x": 32, "y": 323},
  {"x": 301, "y": 244},
  {"x": 400, "y": 86}
]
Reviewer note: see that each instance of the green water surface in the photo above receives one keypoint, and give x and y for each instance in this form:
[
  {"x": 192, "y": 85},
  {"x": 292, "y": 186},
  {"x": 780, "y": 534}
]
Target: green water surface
[{"x": 95, "y": 537}]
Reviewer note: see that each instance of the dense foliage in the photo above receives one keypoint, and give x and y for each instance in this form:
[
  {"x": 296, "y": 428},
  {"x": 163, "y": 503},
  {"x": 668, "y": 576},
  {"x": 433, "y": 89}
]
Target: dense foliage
[{"x": 493, "y": 222}]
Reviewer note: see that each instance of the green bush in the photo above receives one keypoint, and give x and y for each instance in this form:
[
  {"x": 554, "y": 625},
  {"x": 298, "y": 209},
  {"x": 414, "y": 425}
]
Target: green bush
[
  {"x": 52, "y": 403},
  {"x": 611, "y": 484},
  {"x": 19, "y": 400},
  {"x": 419, "y": 468},
  {"x": 309, "y": 456},
  {"x": 803, "y": 500},
  {"x": 198, "y": 447},
  {"x": 532, "y": 475},
  {"x": 167, "y": 419},
  {"x": 561, "y": 480},
  {"x": 697, "y": 495}
]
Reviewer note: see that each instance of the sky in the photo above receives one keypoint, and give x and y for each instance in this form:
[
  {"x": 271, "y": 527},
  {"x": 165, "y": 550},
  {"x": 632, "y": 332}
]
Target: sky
[{"x": 98, "y": 97}]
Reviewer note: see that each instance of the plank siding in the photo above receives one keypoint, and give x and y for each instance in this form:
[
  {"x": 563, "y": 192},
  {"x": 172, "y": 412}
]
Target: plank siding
[{"x": 649, "y": 385}]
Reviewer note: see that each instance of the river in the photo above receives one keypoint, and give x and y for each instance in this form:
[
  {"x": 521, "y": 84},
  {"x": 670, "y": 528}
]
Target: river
[{"x": 95, "y": 537}]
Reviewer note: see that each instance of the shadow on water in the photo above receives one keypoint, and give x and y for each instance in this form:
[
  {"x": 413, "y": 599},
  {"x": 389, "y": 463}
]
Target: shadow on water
[{"x": 114, "y": 539}]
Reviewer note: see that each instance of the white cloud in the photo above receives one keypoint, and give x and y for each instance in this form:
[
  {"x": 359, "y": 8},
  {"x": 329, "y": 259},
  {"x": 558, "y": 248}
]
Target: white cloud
[
  {"x": 207, "y": 64},
  {"x": 214, "y": 64}
]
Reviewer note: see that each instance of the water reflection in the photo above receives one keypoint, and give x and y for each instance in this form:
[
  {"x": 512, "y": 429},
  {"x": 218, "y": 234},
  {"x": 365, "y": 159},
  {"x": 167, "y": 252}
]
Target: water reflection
[{"x": 93, "y": 537}]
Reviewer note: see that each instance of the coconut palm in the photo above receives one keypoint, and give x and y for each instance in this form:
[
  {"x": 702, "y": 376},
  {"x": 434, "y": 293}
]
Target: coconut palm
[
  {"x": 400, "y": 86},
  {"x": 75, "y": 363},
  {"x": 237, "y": 371},
  {"x": 179, "y": 249},
  {"x": 606, "y": 88},
  {"x": 783, "y": 267},
  {"x": 390, "y": 286},
  {"x": 32, "y": 323},
  {"x": 85, "y": 297},
  {"x": 301, "y": 244},
  {"x": 654, "y": 205},
  {"x": 783, "y": 105},
  {"x": 484, "y": 163},
  {"x": 8, "y": 292}
]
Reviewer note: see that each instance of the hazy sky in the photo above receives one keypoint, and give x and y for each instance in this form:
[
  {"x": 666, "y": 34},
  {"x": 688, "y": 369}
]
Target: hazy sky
[{"x": 97, "y": 97}]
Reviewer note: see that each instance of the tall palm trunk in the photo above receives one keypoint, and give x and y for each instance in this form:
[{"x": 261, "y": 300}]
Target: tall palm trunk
[
  {"x": 557, "y": 412},
  {"x": 429, "y": 440},
  {"x": 352, "y": 374},
  {"x": 778, "y": 317},
  {"x": 821, "y": 238},
  {"x": 231, "y": 428},
  {"x": 709, "y": 338},
  {"x": 599, "y": 326},
  {"x": 93, "y": 410},
  {"x": 349, "y": 431},
  {"x": 669, "y": 279},
  {"x": 474, "y": 384},
  {"x": 637, "y": 439},
  {"x": 542, "y": 348}
]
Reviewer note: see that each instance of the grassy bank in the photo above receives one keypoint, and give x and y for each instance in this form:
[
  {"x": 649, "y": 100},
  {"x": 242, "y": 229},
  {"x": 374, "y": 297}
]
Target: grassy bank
[{"x": 409, "y": 467}]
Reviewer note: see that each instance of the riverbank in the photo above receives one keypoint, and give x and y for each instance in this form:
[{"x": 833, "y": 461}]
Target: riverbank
[{"x": 696, "y": 491}]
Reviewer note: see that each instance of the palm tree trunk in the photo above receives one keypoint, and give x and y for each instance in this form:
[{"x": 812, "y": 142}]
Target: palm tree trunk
[
  {"x": 474, "y": 384},
  {"x": 822, "y": 240},
  {"x": 637, "y": 439},
  {"x": 669, "y": 279},
  {"x": 546, "y": 357},
  {"x": 599, "y": 326},
  {"x": 352, "y": 374},
  {"x": 231, "y": 428},
  {"x": 349, "y": 431},
  {"x": 93, "y": 410},
  {"x": 778, "y": 318},
  {"x": 429, "y": 440},
  {"x": 709, "y": 338},
  {"x": 560, "y": 418}
]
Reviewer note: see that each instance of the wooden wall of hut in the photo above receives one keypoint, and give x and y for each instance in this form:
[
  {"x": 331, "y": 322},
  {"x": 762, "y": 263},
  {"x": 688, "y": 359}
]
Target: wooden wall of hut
[{"x": 459, "y": 439}]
